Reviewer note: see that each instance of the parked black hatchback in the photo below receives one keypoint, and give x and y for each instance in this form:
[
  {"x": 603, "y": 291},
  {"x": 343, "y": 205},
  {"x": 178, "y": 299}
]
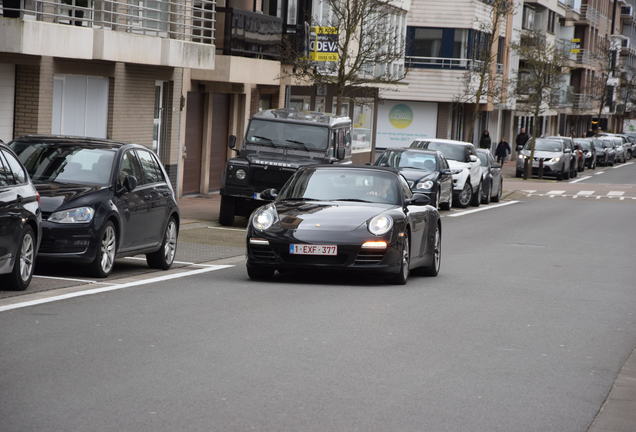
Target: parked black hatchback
[
  {"x": 101, "y": 200},
  {"x": 19, "y": 223}
]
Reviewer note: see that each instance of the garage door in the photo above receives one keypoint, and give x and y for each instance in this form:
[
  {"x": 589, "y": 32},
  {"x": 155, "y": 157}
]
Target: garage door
[
  {"x": 80, "y": 105},
  {"x": 7, "y": 96}
]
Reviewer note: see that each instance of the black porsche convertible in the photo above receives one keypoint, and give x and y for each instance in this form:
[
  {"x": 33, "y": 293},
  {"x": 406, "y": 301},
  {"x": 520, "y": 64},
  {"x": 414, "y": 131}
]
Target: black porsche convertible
[{"x": 345, "y": 217}]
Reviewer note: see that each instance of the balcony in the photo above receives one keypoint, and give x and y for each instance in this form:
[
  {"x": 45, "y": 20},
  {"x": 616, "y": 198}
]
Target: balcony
[
  {"x": 249, "y": 34},
  {"x": 563, "y": 97},
  {"x": 174, "y": 33},
  {"x": 582, "y": 101},
  {"x": 446, "y": 63}
]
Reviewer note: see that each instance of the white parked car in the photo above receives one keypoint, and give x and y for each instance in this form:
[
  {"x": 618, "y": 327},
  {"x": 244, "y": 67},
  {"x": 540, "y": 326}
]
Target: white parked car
[{"x": 466, "y": 169}]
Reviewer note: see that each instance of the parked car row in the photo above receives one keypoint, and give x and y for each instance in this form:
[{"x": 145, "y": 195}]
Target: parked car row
[
  {"x": 564, "y": 157},
  {"x": 450, "y": 173},
  {"x": 82, "y": 200}
]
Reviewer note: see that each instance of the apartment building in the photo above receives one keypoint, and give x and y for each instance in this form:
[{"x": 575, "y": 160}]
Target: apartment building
[
  {"x": 443, "y": 39},
  {"x": 102, "y": 68}
]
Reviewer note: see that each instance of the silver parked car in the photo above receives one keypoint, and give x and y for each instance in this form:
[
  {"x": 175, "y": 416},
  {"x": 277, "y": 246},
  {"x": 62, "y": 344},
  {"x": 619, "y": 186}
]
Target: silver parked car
[{"x": 555, "y": 155}]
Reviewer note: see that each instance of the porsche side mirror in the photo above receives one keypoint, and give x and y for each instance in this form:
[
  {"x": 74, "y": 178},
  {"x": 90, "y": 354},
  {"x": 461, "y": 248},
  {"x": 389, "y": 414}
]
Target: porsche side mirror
[
  {"x": 269, "y": 194},
  {"x": 231, "y": 142},
  {"x": 419, "y": 200}
]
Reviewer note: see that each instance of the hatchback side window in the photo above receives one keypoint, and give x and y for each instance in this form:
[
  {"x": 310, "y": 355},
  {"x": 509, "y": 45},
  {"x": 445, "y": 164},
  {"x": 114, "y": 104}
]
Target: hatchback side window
[
  {"x": 15, "y": 167},
  {"x": 6, "y": 177},
  {"x": 151, "y": 168},
  {"x": 129, "y": 166}
]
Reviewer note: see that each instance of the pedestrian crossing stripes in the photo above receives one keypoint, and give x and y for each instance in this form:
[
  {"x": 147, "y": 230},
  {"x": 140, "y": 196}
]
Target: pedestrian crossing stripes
[{"x": 620, "y": 195}]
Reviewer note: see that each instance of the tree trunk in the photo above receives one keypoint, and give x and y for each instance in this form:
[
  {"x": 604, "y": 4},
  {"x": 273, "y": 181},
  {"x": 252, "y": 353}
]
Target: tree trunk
[{"x": 535, "y": 132}]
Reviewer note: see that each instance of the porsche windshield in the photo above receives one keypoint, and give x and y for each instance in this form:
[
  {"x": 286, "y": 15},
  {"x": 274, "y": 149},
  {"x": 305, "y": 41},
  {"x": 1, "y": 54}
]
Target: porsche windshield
[
  {"x": 66, "y": 163},
  {"x": 332, "y": 184},
  {"x": 291, "y": 135}
]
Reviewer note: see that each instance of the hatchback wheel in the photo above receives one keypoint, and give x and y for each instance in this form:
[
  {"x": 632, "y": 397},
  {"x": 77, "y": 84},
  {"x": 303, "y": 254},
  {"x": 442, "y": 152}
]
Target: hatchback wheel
[
  {"x": 497, "y": 197},
  {"x": 22, "y": 272},
  {"x": 164, "y": 257},
  {"x": 448, "y": 204},
  {"x": 476, "y": 198},
  {"x": 464, "y": 197},
  {"x": 104, "y": 260}
]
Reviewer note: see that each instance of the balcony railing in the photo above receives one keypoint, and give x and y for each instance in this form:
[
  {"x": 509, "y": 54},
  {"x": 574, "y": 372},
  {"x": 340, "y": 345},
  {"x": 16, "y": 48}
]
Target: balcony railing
[
  {"x": 446, "y": 63},
  {"x": 175, "y": 19},
  {"x": 250, "y": 34},
  {"x": 582, "y": 101}
]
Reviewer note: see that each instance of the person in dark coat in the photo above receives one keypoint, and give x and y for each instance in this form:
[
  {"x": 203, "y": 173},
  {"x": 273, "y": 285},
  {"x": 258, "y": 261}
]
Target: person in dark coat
[
  {"x": 484, "y": 141},
  {"x": 521, "y": 139},
  {"x": 502, "y": 151}
]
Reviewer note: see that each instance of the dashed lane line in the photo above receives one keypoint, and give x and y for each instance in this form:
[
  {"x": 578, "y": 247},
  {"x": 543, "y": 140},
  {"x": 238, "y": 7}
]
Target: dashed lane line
[
  {"x": 599, "y": 173},
  {"x": 580, "y": 179},
  {"x": 585, "y": 193},
  {"x": 622, "y": 165},
  {"x": 20, "y": 305},
  {"x": 555, "y": 192},
  {"x": 615, "y": 193},
  {"x": 490, "y": 207}
]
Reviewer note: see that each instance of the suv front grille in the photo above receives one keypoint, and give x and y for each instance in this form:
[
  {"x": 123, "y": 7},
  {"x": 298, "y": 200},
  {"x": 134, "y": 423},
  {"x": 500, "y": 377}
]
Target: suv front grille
[{"x": 272, "y": 177}]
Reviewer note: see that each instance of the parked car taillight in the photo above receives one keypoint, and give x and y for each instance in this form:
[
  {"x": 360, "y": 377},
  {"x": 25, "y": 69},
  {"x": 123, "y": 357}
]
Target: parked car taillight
[{"x": 37, "y": 196}]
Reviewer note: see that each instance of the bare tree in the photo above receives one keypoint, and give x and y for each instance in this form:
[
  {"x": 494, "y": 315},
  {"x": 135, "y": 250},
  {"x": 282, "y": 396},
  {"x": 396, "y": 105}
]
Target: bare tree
[
  {"x": 603, "y": 59},
  {"x": 540, "y": 67},
  {"x": 482, "y": 81},
  {"x": 369, "y": 43}
]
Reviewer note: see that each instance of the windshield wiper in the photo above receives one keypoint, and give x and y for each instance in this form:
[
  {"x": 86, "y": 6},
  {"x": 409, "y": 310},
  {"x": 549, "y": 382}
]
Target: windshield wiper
[
  {"x": 353, "y": 200},
  {"x": 299, "y": 142},
  {"x": 300, "y": 199}
]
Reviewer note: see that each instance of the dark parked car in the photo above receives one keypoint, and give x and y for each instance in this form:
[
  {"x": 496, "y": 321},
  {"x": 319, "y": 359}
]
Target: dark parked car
[
  {"x": 101, "y": 200},
  {"x": 586, "y": 145},
  {"x": 426, "y": 172},
  {"x": 355, "y": 218},
  {"x": 20, "y": 219},
  {"x": 492, "y": 179}
]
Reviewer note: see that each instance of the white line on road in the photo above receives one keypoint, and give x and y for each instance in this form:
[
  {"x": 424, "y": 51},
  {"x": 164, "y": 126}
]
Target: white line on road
[
  {"x": 73, "y": 279},
  {"x": 585, "y": 193},
  {"x": 581, "y": 179},
  {"x": 556, "y": 192},
  {"x": 227, "y": 229},
  {"x": 529, "y": 191},
  {"x": 615, "y": 193},
  {"x": 24, "y": 304},
  {"x": 175, "y": 262},
  {"x": 622, "y": 165},
  {"x": 600, "y": 172},
  {"x": 490, "y": 207}
]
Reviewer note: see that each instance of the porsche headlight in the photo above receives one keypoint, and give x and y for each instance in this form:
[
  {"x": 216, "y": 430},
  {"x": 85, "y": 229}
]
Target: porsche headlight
[
  {"x": 265, "y": 217},
  {"x": 380, "y": 224},
  {"x": 424, "y": 185},
  {"x": 76, "y": 215}
]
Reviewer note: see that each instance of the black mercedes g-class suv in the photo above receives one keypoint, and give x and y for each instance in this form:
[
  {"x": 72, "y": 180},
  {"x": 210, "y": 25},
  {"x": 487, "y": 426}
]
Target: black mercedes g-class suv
[{"x": 277, "y": 143}]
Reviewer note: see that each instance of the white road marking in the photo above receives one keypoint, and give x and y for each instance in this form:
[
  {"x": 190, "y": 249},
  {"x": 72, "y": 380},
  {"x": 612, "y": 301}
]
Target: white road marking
[
  {"x": 73, "y": 280},
  {"x": 615, "y": 193},
  {"x": 585, "y": 193},
  {"x": 529, "y": 191},
  {"x": 490, "y": 207},
  {"x": 227, "y": 229},
  {"x": 581, "y": 179},
  {"x": 24, "y": 304},
  {"x": 622, "y": 165},
  {"x": 176, "y": 262},
  {"x": 556, "y": 192},
  {"x": 600, "y": 172}
]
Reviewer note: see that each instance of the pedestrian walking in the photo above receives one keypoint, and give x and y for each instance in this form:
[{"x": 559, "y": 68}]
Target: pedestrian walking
[
  {"x": 502, "y": 151},
  {"x": 485, "y": 141},
  {"x": 521, "y": 139}
]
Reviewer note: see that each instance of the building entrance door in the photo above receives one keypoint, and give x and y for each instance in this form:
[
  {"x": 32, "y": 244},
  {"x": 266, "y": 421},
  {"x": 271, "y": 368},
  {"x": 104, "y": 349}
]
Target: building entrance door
[{"x": 194, "y": 136}]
